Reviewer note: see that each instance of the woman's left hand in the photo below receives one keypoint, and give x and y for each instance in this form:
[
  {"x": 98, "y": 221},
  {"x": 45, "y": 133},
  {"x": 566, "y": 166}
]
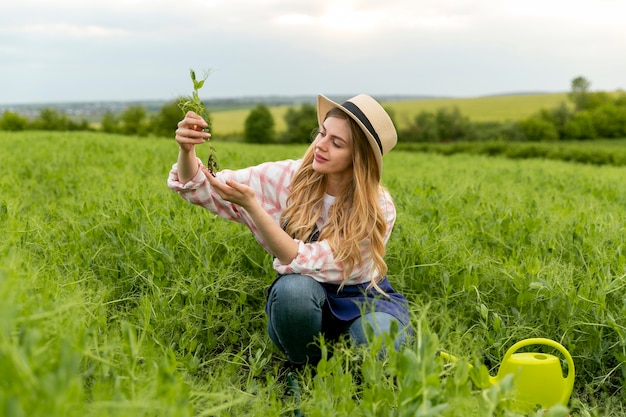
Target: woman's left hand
[
  {"x": 232, "y": 191},
  {"x": 277, "y": 241}
]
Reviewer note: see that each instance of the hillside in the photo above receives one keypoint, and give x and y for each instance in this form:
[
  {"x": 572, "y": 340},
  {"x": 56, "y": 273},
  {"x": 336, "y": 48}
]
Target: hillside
[
  {"x": 229, "y": 114},
  {"x": 489, "y": 108}
]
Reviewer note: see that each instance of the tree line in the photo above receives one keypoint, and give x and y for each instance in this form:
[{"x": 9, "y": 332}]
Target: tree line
[{"x": 587, "y": 115}]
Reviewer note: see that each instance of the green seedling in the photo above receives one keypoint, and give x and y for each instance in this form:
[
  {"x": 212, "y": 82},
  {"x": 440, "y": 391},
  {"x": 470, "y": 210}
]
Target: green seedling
[{"x": 194, "y": 104}]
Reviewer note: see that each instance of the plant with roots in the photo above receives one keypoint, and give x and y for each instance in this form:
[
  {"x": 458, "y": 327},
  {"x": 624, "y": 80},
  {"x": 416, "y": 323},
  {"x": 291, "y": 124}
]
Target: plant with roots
[{"x": 194, "y": 104}]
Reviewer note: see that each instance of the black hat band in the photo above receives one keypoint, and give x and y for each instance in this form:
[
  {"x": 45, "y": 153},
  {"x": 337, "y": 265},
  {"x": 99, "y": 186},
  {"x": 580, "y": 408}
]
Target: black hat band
[{"x": 354, "y": 109}]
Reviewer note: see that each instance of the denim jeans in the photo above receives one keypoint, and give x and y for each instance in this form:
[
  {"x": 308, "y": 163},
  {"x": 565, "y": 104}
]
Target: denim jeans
[{"x": 297, "y": 314}]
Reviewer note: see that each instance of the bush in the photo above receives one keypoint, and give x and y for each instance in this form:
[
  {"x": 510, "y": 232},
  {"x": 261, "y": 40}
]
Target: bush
[
  {"x": 581, "y": 126},
  {"x": 424, "y": 128},
  {"x": 13, "y": 121},
  {"x": 445, "y": 125},
  {"x": 259, "y": 126},
  {"x": 164, "y": 123},
  {"x": 610, "y": 121},
  {"x": 300, "y": 123},
  {"x": 451, "y": 124},
  {"x": 620, "y": 99},
  {"x": 599, "y": 99},
  {"x": 493, "y": 131},
  {"x": 110, "y": 123},
  {"x": 50, "y": 119},
  {"x": 134, "y": 121},
  {"x": 558, "y": 116},
  {"x": 538, "y": 129}
]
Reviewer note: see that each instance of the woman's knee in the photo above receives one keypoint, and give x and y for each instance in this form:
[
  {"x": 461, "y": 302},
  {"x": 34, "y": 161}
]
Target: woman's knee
[
  {"x": 378, "y": 324},
  {"x": 297, "y": 290},
  {"x": 295, "y": 316}
]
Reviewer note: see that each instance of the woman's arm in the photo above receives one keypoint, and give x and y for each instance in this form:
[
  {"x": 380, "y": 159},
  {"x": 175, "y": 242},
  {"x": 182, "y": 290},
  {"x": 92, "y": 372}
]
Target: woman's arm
[
  {"x": 277, "y": 241},
  {"x": 189, "y": 134}
]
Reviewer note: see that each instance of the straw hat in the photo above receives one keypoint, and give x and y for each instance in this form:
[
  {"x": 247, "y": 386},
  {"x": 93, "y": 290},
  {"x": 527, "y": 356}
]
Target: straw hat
[{"x": 370, "y": 116}]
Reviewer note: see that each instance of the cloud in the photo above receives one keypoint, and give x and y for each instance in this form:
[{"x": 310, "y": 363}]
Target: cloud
[
  {"x": 139, "y": 49},
  {"x": 361, "y": 18},
  {"x": 73, "y": 30}
]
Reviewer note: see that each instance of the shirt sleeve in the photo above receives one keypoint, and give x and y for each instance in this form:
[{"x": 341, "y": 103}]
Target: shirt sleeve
[
  {"x": 271, "y": 182},
  {"x": 317, "y": 261}
]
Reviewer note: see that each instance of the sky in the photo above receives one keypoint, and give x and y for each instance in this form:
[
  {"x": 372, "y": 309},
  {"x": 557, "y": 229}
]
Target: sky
[{"x": 55, "y": 51}]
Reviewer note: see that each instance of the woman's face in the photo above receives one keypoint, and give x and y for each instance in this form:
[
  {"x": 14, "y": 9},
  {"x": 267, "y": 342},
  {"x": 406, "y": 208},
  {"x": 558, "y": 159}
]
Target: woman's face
[{"x": 333, "y": 150}]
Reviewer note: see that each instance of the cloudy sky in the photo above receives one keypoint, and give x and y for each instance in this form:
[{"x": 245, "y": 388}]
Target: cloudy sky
[{"x": 86, "y": 50}]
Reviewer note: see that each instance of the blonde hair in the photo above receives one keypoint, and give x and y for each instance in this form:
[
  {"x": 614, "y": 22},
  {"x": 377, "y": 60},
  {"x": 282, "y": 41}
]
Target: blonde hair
[{"x": 355, "y": 218}]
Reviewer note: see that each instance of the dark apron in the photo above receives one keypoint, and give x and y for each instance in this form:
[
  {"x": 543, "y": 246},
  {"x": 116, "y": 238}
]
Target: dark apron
[{"x": 352, "y": 301}]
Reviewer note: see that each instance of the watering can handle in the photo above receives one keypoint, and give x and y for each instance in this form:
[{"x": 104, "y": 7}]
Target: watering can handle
[{"x": 548, "y": 342}]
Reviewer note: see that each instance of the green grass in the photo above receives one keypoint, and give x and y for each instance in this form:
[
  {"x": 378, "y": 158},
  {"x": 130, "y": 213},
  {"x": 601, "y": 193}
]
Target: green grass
[{"x": 118, "y": 298}]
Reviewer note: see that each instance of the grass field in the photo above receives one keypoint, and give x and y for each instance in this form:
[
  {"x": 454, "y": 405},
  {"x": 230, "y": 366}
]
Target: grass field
[
  {"x": 118, "y": 298},
  {"x": 232, "y": 121},
  {"x": 494, "y": 108}
]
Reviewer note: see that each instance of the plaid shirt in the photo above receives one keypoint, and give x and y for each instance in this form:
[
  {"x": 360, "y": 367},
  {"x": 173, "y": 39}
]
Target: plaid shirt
[{"x": 271, "y": 182}]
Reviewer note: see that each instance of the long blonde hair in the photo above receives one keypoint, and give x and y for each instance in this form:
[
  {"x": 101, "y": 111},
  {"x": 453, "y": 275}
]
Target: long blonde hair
[{"x": 355, "y": 218}]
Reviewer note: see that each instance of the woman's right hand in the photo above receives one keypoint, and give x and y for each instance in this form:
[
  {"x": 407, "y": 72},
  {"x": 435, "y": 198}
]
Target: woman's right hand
[{"x": 190, "y": 131}]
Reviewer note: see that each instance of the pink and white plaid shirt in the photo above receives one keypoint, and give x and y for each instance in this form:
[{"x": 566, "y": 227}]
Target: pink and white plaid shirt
[{"x": 271, "y": 182}]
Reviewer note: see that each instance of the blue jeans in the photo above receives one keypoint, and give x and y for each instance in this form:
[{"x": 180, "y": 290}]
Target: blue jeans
[{"x": 297, "y": 314}]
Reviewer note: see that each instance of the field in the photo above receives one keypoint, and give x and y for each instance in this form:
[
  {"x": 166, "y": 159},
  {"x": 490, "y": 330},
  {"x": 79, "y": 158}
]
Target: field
[
  {"x": 232, "y": 121},
  {"x": 118, "y": 298},
  {"x": 493, "y": 108}
]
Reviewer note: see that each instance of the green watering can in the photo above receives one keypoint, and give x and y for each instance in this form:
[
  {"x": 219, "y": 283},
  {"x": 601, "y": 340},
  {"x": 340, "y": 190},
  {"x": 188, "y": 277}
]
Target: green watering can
[{"x": 538, "y": 376}]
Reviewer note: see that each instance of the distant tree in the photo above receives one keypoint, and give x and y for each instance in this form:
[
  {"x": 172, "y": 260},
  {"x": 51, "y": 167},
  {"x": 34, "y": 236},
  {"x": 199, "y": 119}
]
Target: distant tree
[
  {"x": 558, "y": 116},
  {"x": 620, "y": 99},
  {"x": 82, "y": 125},
  {"x": 444, "y": 125},
  {"x": 599, "y": 99},
  {"x": 537, "y": 129},
  {"x": 425, "y": 128},
  {"x": 301, "y": 122},
  {"x": 134, "y": 121},
  {"x": 579, "y": 94},
  {"x": 13, "y": 121},
  {"x": 580, "y": 126},
  {"x": 492, "y": 131},
  {"x": 165, "y": 121},
  {"x": 451, "y": 125},
  {"x": 50, "y": 119},
  {"x": 610, "y": 121},
  {"x": 259, "y": 126},
  {"x": 110, "y": 123}
]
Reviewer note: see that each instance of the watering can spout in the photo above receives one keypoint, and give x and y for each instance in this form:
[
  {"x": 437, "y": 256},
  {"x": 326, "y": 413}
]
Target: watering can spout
[{"x": 538, "y": 376}]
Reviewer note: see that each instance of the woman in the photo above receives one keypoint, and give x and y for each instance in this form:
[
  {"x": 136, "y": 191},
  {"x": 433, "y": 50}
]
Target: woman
[{"x": 325, "y": 218}]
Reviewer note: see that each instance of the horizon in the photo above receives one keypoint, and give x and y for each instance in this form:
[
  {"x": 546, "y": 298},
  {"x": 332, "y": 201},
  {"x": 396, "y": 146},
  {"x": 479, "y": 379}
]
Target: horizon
[{"x": 284, "y": 97}]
